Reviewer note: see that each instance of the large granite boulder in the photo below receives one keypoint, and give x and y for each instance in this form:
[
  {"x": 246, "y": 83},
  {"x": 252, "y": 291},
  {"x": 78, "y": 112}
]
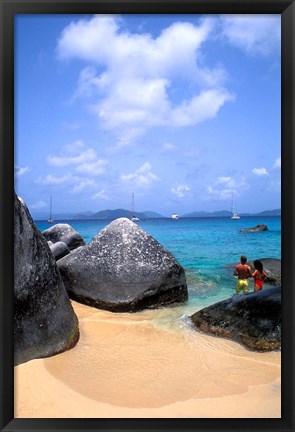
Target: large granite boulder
[
  {"x": 59, "y": 250},
  {"x": 252, "y": 319},
  {"x": 64, "y": 233},
  {"x": 257, "y": 228},
  {"x": 272, "y": 266},
  {"x": 44, "y": 320},
  {"x": 123, "y": 269}
]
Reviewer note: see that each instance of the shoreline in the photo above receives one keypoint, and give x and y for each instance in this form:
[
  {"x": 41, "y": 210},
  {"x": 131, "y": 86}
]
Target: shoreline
[{"x": 126, "y": 365}]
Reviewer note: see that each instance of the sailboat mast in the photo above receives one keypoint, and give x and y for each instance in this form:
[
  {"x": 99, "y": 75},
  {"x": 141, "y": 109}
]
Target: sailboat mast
[
  {"x": 132, "y": 204},
  {"x": 234, "y": 215},
  {"x": 50, "y": 214},
  {"x": 133, "y": 217},
  {"x": 50, "y": 220}
]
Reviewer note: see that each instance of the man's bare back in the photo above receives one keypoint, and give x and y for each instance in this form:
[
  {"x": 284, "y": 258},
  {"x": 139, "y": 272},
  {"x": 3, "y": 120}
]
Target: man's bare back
[{"x": 243, "y": 271}]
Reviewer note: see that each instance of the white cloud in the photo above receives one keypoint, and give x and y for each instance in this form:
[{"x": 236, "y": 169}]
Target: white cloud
[
  {"x": 77, "y": 184},
  {"x": 82, "y": 184},
  {"x": 63, "y": 161},
  {"x": 88, "y": 83},
  {"x": 134, "y": 102},
  {"x": 82, "y": 165},
  {"x": 55, "y": 180},
  {"x": 100, "y": 195},
  {"x": 230, "y": 182},
  {"x": 93, "y": 168},
  {"x": 180, "y": 190},
  {"x": 143, "y": 176},
  {"x": 86, "y": 38},
  {"x": 38, "y": 205},
  {"x": 277, "y": 163},
  {"x": 73, "y": 154},
  {"x": 131, "y": 91},
  {"x": 21, "y": 171},
  {"x": 260, "y": 171},
  {"x": 220, "y": 194},
  {"x": 224, "y": 187},
  {"x": 126, "y": 138},
  {"x": 83, "y": 159},
  {"x": 222, "y": 180},
  {"x": 168, "y": 148},
  {"x": 200, "y": 108},
  {"x": 258, "y": 34},
  {"x": 134, "y": 52},
  {"x": 75, "y": 147}
]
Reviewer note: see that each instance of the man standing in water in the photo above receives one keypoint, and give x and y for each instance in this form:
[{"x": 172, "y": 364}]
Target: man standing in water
[{"x": 243, "y": 271}]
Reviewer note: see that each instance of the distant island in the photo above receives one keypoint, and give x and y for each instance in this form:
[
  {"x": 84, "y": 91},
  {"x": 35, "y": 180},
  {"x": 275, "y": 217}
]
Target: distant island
[
  {"x": 117, "y": 213},
  {"x": 226, "y": 213}
]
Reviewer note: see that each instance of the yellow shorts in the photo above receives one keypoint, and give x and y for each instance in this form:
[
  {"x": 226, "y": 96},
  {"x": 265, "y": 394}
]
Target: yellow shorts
[{"x": 242, "y": 286}]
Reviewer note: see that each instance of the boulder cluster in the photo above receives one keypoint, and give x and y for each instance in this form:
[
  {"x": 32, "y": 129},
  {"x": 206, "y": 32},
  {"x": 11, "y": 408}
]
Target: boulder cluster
[
  {"x": 62, "y": 239},
  {"x": 122, "y": 269}
]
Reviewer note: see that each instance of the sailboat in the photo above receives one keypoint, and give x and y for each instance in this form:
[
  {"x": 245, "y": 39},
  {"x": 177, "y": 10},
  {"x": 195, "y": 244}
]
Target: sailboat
[
  {"x": 50, "y": 220},
  {"x": 133, "y": 218},
  {"x": 234, "y": 216}
]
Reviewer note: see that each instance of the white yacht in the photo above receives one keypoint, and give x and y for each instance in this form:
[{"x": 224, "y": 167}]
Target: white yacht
[
  {"x": 133, "y": 218},
  {"x": 175, "y": 216},
  {"x": 234, "y": 216}
]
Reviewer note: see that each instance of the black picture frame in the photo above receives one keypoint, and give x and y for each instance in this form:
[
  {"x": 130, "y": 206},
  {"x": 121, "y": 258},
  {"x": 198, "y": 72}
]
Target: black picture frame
[{"x": 8, "y": 9}]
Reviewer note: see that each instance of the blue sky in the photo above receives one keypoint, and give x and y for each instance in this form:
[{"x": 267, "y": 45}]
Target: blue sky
[{"x": 182, "y": 110}]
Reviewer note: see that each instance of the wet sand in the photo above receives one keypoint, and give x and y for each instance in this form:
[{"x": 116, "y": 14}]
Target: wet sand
[{"x": 134, "y": 365}]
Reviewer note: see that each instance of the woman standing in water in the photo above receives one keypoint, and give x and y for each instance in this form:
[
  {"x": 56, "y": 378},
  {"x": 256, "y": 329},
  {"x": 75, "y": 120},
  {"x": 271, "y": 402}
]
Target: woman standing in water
[{"x": 259, "y": 275}]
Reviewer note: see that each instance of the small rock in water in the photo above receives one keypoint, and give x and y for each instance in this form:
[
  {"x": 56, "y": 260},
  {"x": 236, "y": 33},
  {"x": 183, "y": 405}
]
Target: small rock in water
[{"x": 257, "y": 228}]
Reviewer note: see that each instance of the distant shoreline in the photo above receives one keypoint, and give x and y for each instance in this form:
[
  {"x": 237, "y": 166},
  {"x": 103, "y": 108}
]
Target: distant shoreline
[{"x": 89, "y": 219}]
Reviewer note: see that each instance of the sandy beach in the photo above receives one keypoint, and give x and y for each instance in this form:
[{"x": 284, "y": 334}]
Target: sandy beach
[{"x": 129, "y": 365}]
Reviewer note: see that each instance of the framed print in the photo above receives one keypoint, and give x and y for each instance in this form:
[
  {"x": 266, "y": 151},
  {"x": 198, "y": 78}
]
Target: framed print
[{"x": 147, "y": 215}]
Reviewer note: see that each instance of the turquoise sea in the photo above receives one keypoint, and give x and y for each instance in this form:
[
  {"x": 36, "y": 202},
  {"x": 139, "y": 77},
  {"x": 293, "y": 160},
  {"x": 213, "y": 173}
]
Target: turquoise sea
[{"x": 207, "y": 248}]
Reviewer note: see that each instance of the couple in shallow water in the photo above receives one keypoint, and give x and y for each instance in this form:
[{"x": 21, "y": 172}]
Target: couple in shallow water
[{"x": 243, "y": 272}]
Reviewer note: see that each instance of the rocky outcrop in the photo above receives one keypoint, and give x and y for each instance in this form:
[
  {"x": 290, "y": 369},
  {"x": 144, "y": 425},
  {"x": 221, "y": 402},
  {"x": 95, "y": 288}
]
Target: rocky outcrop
[
  {"x": 257, "y": 228},
  {"x": 123, "y": 269},
  {"x": 272, "y": 267},
  {"x": 251, "y": 319},
  {"x": 59, "y": 250},
  {"x": 44, "y": 320},
  {"x": 64, "y": 233}
]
